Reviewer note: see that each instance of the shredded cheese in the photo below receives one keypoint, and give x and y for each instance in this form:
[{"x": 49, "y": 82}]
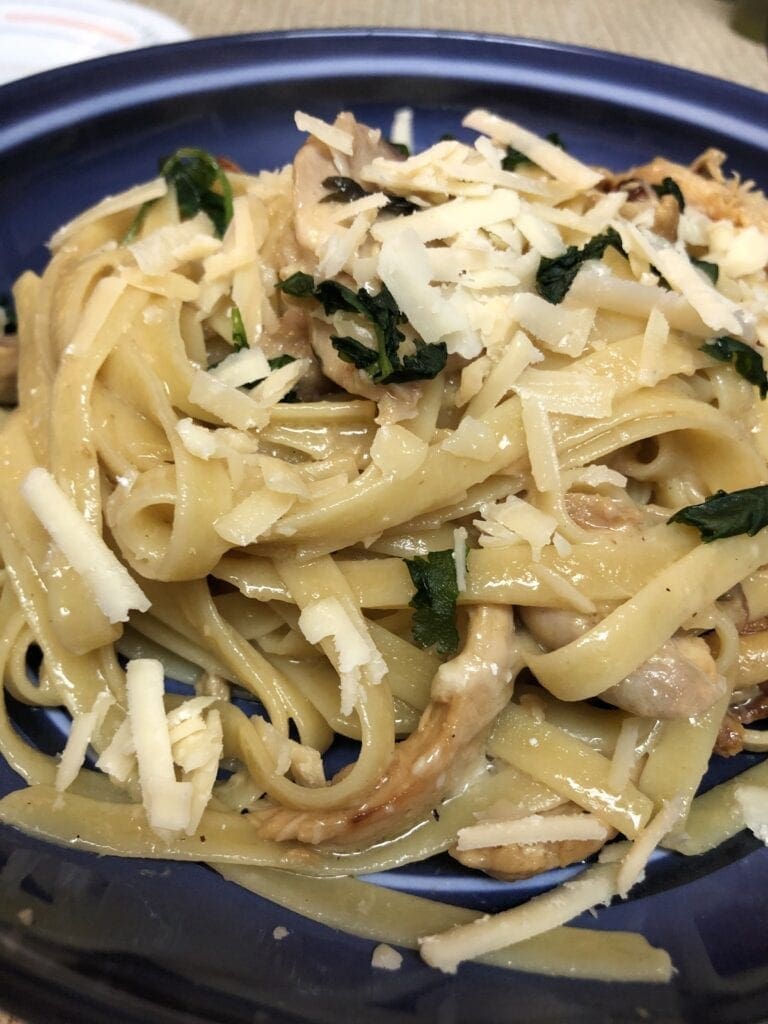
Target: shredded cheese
[
  {"x": 84, "y": 726},
  {"x": 540, "y": 443},
  {"x": 247, "y": 521},
  {"x": 113, "y": 588},
  {"x": 632, "y": 867},
  {"x": 334, "y": 138},
  {"x": 489, "y": 932},
  {"x": 539, "y": 151},
  {"x": 472, "y": 439},
  {"x": 560, "y": 328},
  {"x": 243, "y": 367},
  {"x": 354, "y": 651},
  {"x": 513, "y": 521},
  {"x": 460, "y": 557},
  {"x": 536, "y": 828},
  {"x": 168, "y": 803}
]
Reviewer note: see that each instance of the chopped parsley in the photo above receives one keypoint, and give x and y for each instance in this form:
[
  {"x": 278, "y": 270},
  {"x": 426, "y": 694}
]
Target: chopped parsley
[
  {"x": 200, "y": 185},
  {"x": 513, "y": 158},
  {"x": 343, "y": 190},
  {"x": 746, "y": 360},
  {"x": 555, "y": 276},
  {"x": 399, "y": 147},
  {"x": 239, "y": 337},
  {"x": 727, "y": 515},
  {"x": 434, "y": 603},
  {"x": 383, "y": 364},
  {"x": 347, "y": 190},
  {"x": 669, "y": 187}
]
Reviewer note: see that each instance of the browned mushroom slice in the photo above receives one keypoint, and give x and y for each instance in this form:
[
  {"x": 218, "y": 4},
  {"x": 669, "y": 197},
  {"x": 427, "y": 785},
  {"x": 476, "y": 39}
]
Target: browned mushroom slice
[{"x": 516, "y": 861}]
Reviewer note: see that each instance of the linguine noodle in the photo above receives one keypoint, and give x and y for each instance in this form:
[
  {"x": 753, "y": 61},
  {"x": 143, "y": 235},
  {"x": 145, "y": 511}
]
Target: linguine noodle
[{"x": 375, "y": 456}]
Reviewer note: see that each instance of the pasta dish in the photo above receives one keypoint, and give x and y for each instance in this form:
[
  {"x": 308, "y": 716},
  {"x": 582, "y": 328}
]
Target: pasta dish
[{"x": 394, "y": 504}]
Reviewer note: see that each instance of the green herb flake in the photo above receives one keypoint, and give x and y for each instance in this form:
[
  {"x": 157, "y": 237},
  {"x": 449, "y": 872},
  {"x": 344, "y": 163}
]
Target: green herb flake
[
  {"x": 138, "y": 222},
  {"x": 239, "y": 337},
  {"x": 299, "y": 285},
  {"x": 712, "y": 270},
  {"x": 746, "y": 360},
  {"x": 279, "y": 361},
  {"x": 195, "y": 175},
  {"x": 434, "y": 617},
  {"x": 727, "y": 515},
  {"x": 669, "y": 187},
  {"x": 400, "y": 147},
  {"x": 383, "y": 364},
  {"x": 555, "y": 276},
  {"x": 347, "y": 190}
]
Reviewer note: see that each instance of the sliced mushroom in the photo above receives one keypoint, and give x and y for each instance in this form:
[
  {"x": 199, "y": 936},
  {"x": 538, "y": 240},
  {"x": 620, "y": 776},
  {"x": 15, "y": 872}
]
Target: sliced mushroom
[{"x": 523, "y": 860}]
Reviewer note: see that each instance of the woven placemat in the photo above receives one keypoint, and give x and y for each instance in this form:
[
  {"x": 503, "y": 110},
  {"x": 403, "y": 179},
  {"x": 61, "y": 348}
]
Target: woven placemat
[{"x": 724, "y": 38}]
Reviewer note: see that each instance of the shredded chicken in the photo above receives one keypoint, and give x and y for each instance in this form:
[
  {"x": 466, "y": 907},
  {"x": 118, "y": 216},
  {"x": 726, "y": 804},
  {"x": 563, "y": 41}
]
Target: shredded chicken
[
  {"x": 704, "y": 185},
  {"x": 435, "y": 760},
  {"x": 523, "y": 860}
]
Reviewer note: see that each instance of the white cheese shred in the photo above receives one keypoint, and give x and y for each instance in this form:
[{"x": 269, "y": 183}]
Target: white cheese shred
[
  {"x": 113, "y": 588},
  {"x": 168, "y": 803},
  {"x": 448, "y": 949},
  {"x": 84, "y": 725}
]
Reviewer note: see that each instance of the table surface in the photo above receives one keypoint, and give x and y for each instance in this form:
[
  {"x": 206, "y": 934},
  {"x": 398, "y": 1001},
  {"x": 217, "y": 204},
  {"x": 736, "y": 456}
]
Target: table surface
[{"x": 724, "y": 38}]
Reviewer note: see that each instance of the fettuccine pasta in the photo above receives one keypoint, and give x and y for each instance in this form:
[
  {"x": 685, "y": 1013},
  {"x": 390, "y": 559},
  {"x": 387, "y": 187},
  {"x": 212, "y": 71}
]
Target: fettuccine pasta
[{"x": 437, "y": 486}]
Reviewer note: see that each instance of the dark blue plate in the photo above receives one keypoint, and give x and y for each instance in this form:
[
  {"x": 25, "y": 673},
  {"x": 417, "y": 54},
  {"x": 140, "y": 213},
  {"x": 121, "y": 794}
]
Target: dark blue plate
[{"x": 137, "y": 941}]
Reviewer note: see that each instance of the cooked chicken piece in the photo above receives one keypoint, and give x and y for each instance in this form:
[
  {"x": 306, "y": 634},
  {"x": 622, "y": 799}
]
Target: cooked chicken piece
[
  {"x": 9, "y": 366},
  {"x": 599, "y": 512},
  {"x": 523, "y": 860},
  {"x": 678, "y": 681},
  {"x": 467, "y": 694},
  {"x": 703, "y": 184}
]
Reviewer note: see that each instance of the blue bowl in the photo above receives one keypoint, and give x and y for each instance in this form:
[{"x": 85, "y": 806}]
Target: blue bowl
[{"x": 140, "y": 941}]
